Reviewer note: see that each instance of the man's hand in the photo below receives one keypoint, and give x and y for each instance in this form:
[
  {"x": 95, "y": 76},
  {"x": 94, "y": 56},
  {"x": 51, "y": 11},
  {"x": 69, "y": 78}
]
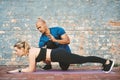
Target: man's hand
[
  {"x": 52, "y": 38},
  {"x": 64, "y": 39},
  {"x": 47, "y": 61}
]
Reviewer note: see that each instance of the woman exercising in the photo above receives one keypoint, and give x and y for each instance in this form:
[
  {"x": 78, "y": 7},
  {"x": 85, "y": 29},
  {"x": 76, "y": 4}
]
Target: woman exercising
[{"x": 55, "y": 55}]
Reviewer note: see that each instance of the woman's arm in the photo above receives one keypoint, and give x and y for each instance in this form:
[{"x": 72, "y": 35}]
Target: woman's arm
[
  {"x": 32, "y": 64},
  {"x": 31, "y": 67}
]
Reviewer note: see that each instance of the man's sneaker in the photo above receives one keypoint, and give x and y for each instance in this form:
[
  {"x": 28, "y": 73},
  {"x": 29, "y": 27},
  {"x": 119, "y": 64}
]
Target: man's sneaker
[
  {"x": 108, "y": 67},
  {"x": 47, "y": 67}
]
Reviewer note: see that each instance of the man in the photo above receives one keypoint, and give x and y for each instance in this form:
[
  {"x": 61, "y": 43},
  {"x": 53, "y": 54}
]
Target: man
[{"x": 52, "y": 38}]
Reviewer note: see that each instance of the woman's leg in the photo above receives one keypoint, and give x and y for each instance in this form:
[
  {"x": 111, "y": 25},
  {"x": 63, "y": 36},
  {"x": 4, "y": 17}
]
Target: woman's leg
[
  {"x": 61, "y": 56},
  {"x": 64, "y": 57},
  {"x": 77, "y": 59}
]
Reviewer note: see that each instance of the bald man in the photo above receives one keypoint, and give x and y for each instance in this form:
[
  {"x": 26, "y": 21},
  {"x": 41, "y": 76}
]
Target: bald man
[{"x": 54, "y": 37}]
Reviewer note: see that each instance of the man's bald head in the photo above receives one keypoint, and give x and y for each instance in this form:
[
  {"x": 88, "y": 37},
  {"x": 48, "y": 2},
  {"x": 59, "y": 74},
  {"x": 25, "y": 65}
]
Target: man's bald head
[
  {"x": 41, "y": 20},
  {"x": 41, "y": 25}
]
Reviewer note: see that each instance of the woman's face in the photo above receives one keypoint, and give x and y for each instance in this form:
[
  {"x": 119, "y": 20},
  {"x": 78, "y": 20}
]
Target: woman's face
[{"x": 19, "y": 52}]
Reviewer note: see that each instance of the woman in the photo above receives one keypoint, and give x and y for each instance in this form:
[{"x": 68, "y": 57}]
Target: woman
[{"x": 55, "y": 55}]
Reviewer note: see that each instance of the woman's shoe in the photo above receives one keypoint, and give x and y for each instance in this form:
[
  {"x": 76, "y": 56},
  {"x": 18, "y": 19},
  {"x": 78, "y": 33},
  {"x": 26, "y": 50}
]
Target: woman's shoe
[{"x": 108, "y": 67}]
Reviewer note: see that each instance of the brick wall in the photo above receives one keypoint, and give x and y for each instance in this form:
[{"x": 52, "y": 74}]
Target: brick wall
[{"x": 85, "y": 21}]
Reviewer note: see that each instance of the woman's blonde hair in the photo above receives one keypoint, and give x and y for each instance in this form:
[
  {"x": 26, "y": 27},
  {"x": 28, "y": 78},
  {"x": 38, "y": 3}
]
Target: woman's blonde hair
[{"x": 24, "y": 45}]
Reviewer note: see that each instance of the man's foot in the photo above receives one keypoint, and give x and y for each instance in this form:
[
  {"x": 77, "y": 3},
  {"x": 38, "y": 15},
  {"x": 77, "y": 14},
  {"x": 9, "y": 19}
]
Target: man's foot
[
  {"x": 47, "y": 67},
  {"x": 108, "y": 67}
]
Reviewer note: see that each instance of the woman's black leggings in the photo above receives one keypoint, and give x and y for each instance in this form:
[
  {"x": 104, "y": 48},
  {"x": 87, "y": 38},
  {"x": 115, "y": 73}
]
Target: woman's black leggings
[{"x": 64, "y": 58}]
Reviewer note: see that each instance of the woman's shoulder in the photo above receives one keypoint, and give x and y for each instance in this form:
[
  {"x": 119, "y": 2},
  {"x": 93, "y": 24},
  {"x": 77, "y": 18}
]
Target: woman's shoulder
[{"x": 34, "y": 50}]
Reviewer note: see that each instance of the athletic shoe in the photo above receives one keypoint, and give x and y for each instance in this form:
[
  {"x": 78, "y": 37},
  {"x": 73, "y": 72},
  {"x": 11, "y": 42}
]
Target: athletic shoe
[{"x": 108, "y": 67}]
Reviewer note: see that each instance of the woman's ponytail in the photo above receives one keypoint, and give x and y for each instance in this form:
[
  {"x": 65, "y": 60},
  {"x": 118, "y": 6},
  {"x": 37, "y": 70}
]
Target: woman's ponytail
[{"x": 23, "y": 44}]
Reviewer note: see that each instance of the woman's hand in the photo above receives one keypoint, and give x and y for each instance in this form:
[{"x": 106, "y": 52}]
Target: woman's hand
[{"x": 13, "y": 71}]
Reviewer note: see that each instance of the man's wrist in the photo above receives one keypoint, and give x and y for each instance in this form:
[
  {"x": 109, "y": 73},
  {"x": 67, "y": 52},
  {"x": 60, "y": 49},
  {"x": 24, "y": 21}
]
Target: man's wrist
[{"x": 56, "y": 41}]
